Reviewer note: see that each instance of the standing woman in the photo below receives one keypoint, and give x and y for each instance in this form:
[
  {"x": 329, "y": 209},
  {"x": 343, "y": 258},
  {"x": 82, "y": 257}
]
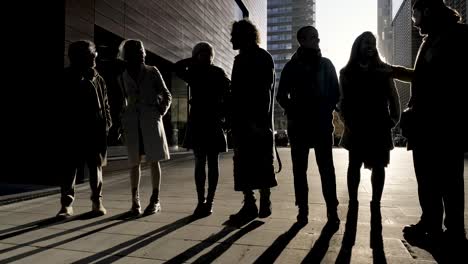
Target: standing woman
[
  {"x": 370, "y": 108},
  {"x": 146, "y": 101},
  {"x": 209, "y": 87}
]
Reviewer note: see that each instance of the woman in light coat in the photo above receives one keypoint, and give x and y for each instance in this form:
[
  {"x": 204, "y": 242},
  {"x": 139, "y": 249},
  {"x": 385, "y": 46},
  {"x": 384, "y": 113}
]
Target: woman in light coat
[{"x": 146, "y": 101}]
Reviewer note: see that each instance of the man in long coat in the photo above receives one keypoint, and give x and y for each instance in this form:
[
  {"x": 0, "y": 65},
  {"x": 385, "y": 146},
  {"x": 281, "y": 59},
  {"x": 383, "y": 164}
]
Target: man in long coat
[
  {"x": 252, "y": 84},
  {"x": 439, "y": 93}
]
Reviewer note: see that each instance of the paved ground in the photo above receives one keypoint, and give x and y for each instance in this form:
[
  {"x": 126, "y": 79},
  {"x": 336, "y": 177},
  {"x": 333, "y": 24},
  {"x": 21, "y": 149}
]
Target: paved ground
[{"x": 30, "y": 234}]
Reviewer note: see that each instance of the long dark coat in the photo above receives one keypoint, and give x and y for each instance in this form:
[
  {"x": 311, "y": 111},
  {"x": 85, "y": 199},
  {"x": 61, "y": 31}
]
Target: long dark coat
[
  {"x": 252, "y": 120},
  {"x": 209, "y": 88},
  {"x": 88, "y": 115},
  {"x": 439, "y": 90}
]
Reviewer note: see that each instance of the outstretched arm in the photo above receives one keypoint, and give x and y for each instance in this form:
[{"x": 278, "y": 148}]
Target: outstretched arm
[
  {"x": 402, "y": 73},
  {"x": 394, "y": 103}
]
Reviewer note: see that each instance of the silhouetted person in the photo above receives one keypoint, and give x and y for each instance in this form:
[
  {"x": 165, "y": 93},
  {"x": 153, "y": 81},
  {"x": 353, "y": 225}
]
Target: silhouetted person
[
  {"x": 370, "y": 108},
  {"x": 87, "y": 125},
  {"x": 251, "y": 102},
  {"x": 438, "y": 103},
  {"x": 308, "y": 92},
  {"x": 147, "y": 100},
  {"x": 209, "y": 88}
]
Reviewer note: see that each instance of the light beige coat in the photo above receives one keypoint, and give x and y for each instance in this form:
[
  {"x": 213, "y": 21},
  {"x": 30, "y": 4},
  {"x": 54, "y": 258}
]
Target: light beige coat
[{"x": 146, "y": 102}]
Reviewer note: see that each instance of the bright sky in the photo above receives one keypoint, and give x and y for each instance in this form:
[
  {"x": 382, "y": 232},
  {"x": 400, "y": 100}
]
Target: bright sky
[{"x": 340, "y": 22}]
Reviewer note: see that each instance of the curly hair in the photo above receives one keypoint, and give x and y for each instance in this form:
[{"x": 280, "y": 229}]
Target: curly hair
[{"x": 246, "y": 30}]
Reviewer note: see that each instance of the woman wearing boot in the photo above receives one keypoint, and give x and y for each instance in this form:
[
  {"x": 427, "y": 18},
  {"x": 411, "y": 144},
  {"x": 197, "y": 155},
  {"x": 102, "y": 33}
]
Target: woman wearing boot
[
  {"x": 146, "y": 100},
  {"x": 370, "y": 108},
  {"x": 209, "y": 87}
]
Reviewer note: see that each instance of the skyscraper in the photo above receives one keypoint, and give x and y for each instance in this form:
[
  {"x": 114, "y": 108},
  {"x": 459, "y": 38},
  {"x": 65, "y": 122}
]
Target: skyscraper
[{"x": 384, "y": 29}]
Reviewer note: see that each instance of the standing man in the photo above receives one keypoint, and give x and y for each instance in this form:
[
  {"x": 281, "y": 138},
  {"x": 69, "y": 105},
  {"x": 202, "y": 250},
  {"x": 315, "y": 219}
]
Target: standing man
[
  {"x": 86, "y": 126},
  {"x": 439, "y": 93},
  {"x": 308, "y": 92},
  {"x": 252, "y": 120}
]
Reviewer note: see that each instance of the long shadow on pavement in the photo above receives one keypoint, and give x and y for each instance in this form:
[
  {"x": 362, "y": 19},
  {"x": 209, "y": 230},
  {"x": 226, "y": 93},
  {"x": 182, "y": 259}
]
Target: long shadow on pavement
[
  {"x": 320, "y": 247},
  {"x": 21, "y": 229},
  {"x": 272, "y": 253},
  {"x": 189, "y": 253},
  {"x": 124, "y": 217},
  {"x": 349, "y": 236},
  {"x": 116, "y": 252},
  {"x": 225, "y": 245}
]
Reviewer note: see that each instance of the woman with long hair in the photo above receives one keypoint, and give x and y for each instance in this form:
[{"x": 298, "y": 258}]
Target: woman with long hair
[{"x": 370, "y": 108}]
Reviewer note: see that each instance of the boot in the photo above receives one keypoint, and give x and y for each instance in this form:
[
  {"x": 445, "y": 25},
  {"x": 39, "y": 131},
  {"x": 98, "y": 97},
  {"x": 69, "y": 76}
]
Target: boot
[
  {"x": 376, "y": 240},
  {"x": 376, "y": 216},
  {"x": 209, "y": 201},
  {"x": 265, "y": 203},
  {"x": 303, "y": 215},
  {"x": 333, "y": 219},
  {"x": 248, "y": 211},
  {"x": 136, "y": 206},
  {"x": 199, "y": 210},
  {"x": 154, "y": 206}
]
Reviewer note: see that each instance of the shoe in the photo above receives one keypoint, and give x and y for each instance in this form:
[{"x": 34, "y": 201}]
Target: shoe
[
  {"x": 415, "y": 230},
  {"x": 152, "y": 208},
  {"x": 247, "y": 212},
  {"x": 98, "y": 208},
  {"x": 332, "y": 216},
  {"x": 208, "y": 208},
  {"x": 303, "y": 215},
  {"x": 136, "y": 206},
  {"x": 65, "y": 212},
  {"x": 265, "y": 208},
  {"x": 199, "y": 210},
  {"x": 418, "y": 234}
]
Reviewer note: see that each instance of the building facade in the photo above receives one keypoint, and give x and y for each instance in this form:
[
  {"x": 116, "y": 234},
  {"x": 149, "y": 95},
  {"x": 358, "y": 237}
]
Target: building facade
[
  {"x": 384, "y": 29},
  {"x": 169, "y": 29},
  {"x": 285, "y": 17}
]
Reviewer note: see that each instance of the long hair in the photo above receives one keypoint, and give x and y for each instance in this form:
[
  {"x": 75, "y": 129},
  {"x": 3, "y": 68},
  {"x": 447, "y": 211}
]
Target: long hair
[
  {"x": 129, "y": 43},
  {"x": 246, "y": 30},
  {"x": 355, "y": 52}
]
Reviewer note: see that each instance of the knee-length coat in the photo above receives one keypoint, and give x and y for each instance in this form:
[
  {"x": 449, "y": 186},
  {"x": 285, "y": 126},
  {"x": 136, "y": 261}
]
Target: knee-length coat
[
  {"x": 146, "y": 101},
  {"x": 252, "y": 83}
]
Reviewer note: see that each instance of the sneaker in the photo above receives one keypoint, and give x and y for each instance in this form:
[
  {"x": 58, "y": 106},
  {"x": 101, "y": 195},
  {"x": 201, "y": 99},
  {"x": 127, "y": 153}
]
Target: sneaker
[
  {"x": 152, "y": 208},
  {"x": 136, "y": 206},
  {"x": 65, "y": 212},
  {"x": 98, "y": 208}
]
